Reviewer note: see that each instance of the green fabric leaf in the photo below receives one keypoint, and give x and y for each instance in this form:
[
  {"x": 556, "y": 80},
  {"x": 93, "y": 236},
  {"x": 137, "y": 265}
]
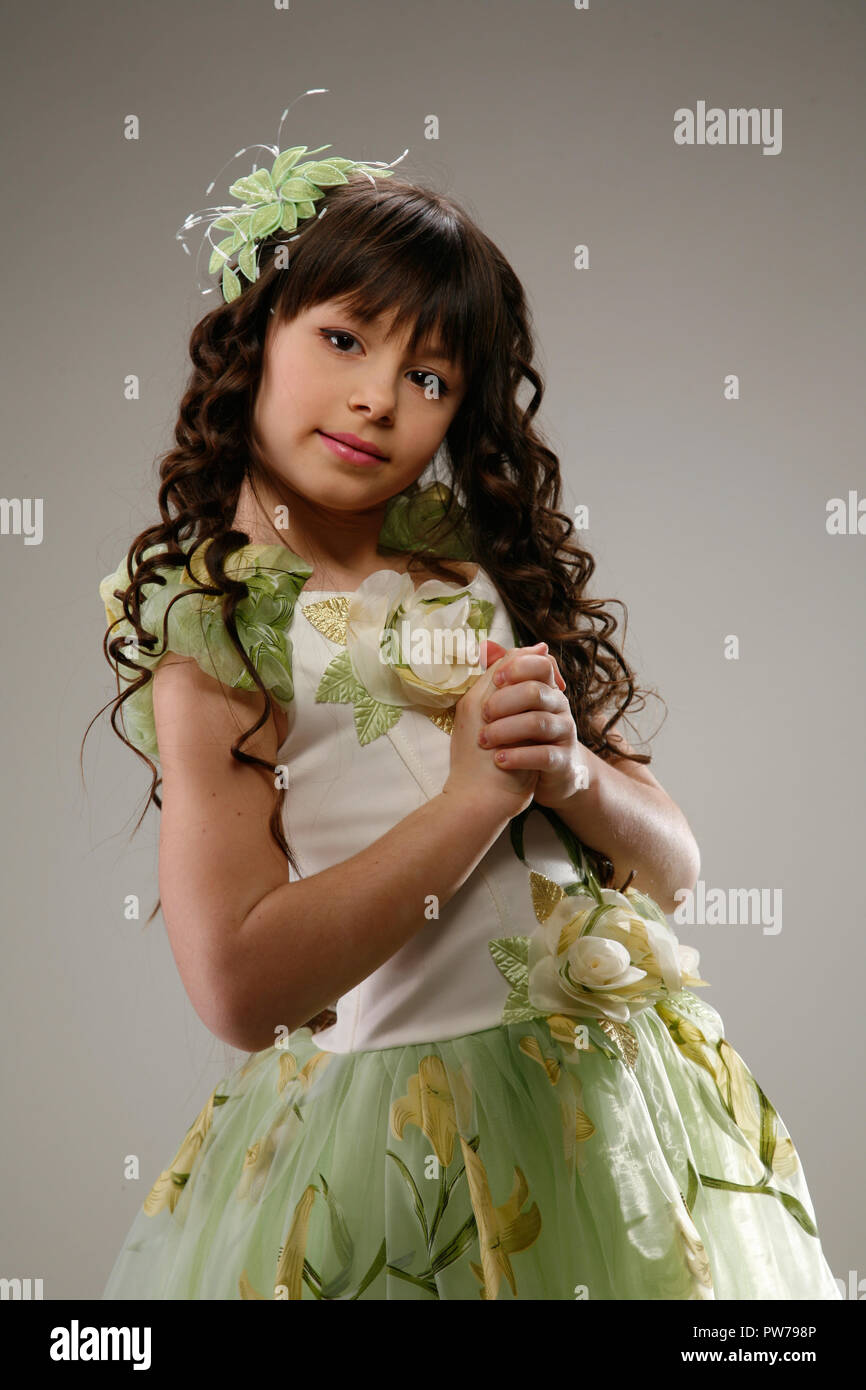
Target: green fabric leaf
[
  {"x": 511, "y": 956},
  {"x": 300, "y": 190},
  {"x": 373, "y": 718},
  {"x": 231, "y": 285},
  {"x": 222, "y": 251},
  {"x": 324, "y": 173},
  {"x": 517, "y": 1008},
  {"x": 480, "y": 614},
  {"x": 266, "y": 220},
  {"x": 284, "y": 162},
  {"x": 247, "y": 260},
  {"x": 254, "y": 188},
  {"x": 232, "y": 221},
  {"x": 339, "y": 685}
]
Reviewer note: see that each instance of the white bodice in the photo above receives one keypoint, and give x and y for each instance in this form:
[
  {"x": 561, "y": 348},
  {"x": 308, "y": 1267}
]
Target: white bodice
[{"x": 343, "y": 796}]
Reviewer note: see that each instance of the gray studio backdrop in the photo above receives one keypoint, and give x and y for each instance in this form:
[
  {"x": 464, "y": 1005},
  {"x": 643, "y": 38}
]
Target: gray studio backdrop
[{"x": 708, "y": 515}]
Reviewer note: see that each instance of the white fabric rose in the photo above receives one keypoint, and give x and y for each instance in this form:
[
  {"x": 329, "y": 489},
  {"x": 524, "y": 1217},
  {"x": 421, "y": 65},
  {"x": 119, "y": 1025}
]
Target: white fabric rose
[
  {"x": 413, "y": 646},
  {"x": 598, "y": 963},
  {"x": 604, "y": 960}
]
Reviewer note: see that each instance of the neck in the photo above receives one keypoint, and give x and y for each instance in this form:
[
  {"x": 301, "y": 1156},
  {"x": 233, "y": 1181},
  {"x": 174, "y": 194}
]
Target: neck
[{"x": 333, "y": 541}]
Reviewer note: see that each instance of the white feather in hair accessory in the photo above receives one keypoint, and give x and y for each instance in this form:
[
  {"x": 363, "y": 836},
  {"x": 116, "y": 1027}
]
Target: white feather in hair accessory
[{"x": 271, "y": 199}]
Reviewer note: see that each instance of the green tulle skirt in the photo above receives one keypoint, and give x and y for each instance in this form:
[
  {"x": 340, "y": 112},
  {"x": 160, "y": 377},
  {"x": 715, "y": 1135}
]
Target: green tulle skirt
[{"x": 645, "y": 1162}]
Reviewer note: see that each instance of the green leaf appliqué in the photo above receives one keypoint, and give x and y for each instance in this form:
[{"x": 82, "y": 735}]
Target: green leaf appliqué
[{"x": 340, "y": 686}]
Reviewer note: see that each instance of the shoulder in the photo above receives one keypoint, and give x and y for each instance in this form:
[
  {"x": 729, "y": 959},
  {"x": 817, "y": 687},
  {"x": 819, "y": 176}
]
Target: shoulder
[
  {"x": 192, "y": 712},
  {"x": 193, "y": 641}
]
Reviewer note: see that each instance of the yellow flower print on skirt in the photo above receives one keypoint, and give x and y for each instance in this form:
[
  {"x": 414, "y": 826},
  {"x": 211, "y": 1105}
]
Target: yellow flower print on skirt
[
  {"x": 439, "y": 1105},
  {"x": 170, "y": 1183},
  {"x": 531, "y": 1160}
]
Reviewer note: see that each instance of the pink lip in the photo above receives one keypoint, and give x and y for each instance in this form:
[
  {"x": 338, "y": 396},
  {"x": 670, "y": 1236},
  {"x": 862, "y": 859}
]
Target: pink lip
[{"x": 352, "y": 449}]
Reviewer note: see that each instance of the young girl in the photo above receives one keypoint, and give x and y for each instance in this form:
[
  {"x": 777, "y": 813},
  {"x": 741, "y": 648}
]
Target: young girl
[{"x": 405, "y": 861}]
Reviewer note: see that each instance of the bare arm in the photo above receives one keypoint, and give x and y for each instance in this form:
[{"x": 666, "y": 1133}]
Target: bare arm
[
  {"x": 255, "y": 951},
  {"x": 627, "y": 815}
]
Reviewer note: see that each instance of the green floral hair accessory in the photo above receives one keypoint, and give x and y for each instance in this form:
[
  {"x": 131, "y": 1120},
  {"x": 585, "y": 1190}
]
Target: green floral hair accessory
[{"x": 270, "y": 200}]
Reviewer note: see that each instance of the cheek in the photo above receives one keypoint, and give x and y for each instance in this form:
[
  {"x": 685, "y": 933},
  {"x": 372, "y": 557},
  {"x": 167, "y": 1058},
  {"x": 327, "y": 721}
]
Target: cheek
[
  {"x": 286, "y": 405},
  {"x": 430, "y": 420}
]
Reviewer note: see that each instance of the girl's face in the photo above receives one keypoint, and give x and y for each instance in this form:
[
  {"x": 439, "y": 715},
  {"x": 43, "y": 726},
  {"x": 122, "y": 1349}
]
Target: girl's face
[{"x": 327, "y": 373}]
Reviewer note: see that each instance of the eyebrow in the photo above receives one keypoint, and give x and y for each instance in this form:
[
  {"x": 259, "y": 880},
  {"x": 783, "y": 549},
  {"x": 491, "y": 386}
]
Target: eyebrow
[
  {"x": 436, "y": 350},
  {"x": 429, "y": 347}
]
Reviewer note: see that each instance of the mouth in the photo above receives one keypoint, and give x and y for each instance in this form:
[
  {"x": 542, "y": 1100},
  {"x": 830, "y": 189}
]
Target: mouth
[{"x": 353, "y": 449}]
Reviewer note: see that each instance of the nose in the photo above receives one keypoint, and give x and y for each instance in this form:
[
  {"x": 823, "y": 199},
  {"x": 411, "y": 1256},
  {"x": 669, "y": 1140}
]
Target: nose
[{"x": 375, "y": 398}]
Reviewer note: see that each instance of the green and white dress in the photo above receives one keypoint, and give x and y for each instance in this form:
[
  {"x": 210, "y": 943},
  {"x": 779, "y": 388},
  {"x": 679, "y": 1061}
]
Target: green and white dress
[{"x": 527, "y": 1100}]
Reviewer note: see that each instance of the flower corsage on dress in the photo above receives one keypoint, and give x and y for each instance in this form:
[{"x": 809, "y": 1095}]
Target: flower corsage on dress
[
  {"x": 402, "y": 647},
  {"x": 597, "y": 956}
]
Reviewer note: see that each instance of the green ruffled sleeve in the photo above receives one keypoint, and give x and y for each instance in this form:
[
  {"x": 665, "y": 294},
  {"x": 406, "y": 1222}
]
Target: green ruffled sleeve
[
  {"x": 274, "y": 576},
  {"x": 417, "y": 519}
]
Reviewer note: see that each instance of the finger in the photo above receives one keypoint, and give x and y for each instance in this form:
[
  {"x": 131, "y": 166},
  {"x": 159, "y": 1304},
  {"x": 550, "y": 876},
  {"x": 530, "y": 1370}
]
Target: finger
[
  {"x": 534, "y": 758},
  {"x": 491, "y": 652},
  {"x": 534, "y": 726},
  {"x": 520, "y": 697},
  {"x": 557, "y": 673},
  {"x": 528, "y": 667}
]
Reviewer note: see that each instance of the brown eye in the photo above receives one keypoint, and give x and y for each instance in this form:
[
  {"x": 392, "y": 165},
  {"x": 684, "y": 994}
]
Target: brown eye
[
  {"x": 443, "y": 385},
  {"x": 327, "y": 334}
]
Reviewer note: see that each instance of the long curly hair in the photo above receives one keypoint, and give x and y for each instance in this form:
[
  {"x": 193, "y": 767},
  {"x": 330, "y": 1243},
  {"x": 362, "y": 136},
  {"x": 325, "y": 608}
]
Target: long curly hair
[{"x": 400, "y": 247}]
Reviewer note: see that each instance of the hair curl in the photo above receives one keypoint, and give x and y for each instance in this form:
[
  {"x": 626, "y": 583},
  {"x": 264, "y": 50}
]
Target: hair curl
[{"x": 399, "y": 247}]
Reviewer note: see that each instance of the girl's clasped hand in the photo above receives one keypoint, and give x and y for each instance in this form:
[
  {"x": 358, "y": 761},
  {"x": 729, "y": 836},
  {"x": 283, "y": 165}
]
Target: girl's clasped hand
[{"x": 528, "y": 723}]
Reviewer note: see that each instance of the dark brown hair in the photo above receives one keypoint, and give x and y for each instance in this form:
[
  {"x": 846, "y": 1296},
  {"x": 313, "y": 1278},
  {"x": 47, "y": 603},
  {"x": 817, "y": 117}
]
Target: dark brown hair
[{"x": 390, "y": 245}]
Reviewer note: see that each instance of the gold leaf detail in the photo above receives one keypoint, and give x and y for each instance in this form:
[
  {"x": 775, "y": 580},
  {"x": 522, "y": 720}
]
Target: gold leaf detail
[
  {"x": 329, "y": 616},
  {"x": 623, "y": 1037},
  {"x": 545, "y": 895},
  {"x": 442, "y": 718}
]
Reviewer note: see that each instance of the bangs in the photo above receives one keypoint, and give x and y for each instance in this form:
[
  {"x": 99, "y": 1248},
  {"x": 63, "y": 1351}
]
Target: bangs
[{"x": 389, "y": 251}]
